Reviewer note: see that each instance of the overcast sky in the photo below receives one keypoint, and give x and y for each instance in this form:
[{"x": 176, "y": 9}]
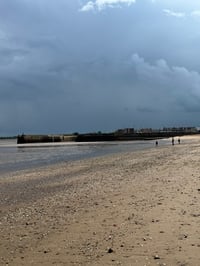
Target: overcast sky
[{"x": 83, "y": 66}]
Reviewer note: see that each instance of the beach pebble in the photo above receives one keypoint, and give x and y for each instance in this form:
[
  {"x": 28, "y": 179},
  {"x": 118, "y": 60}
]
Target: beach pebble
[
  {"x": 154, "y": 220},
  {"x": 110, "y": 250},
  {"x": 156, "y": 257}
]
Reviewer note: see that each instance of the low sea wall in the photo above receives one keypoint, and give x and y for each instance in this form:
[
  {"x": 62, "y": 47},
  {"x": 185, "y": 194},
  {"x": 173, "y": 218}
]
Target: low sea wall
[{"x": 21, "y": 139}]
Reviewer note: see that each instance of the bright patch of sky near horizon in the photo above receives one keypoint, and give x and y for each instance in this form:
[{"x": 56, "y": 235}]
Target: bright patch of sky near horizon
[{"x": 75, "y": 65}]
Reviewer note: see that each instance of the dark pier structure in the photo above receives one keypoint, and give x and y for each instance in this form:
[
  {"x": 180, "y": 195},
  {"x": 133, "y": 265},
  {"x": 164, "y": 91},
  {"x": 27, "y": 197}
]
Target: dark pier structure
[{"x": 22, "y": 139}]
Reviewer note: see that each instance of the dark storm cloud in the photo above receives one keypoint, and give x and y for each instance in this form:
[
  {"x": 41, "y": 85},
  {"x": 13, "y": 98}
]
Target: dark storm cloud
[{"x": 117, "y": 64}]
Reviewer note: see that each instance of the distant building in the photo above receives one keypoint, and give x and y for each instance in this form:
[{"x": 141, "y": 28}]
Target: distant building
[
  {"x": 125, "y": 131},
  {"x": 180, "y": 129},
  {"x": 170, "y": 130},
  {"x": 145, "y": 130}
]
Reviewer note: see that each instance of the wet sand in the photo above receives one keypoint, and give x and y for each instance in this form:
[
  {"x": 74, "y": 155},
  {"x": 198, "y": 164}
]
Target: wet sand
[{"x": 139, "y": 208}]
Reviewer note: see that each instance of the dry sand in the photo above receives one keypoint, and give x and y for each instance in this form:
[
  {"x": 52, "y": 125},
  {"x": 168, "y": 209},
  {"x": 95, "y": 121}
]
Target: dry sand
[{"x": 139, "y": 208}]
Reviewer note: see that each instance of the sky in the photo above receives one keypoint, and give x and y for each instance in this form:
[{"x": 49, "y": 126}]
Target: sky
[{"x": 86, "y": 66}]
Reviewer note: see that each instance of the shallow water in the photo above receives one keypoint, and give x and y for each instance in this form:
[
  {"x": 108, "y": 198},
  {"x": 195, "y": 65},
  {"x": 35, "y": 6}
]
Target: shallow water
[{"x": 15, "y": 157}]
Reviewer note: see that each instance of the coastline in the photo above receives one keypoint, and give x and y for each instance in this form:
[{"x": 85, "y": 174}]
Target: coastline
[
  {"x": 138, "y": 208},
  {"x": 16, "y": 157}
]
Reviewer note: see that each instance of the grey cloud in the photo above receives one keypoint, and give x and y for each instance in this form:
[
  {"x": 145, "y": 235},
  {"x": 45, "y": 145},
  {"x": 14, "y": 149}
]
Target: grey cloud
[
  {"x": 147, "y": 109},
  {"x": 62, "y": 70},
  {"x": 175, "y": 86},
  {"x": 8, "y": 55}
]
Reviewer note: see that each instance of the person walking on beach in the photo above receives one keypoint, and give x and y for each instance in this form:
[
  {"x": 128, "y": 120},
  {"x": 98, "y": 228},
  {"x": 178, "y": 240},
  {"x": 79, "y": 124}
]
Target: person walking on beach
[
  {"x": 156, "y": 143},
  {"x": 172, "y": 140},
  {"x": 179, "y": 141}
]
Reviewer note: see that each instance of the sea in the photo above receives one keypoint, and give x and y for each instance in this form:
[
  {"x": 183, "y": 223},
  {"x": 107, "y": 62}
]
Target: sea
[{"x": 16, "y": 157}]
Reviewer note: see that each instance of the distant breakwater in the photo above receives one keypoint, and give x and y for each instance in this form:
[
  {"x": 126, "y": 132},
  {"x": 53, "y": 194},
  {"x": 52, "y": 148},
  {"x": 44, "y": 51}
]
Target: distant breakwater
[{"x": 92, "y": 137}]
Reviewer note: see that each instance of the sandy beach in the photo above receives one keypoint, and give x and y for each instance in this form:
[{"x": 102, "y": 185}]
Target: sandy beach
[{"x": 139, "y": 208}]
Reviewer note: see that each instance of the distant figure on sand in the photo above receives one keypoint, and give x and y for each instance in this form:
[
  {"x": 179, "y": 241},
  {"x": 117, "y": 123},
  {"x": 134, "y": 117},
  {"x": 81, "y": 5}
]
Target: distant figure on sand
[
  {"x": 173, "y": 141},
  {"x": 179, "y": 141},
  {"x": 156, "y": 143}
]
